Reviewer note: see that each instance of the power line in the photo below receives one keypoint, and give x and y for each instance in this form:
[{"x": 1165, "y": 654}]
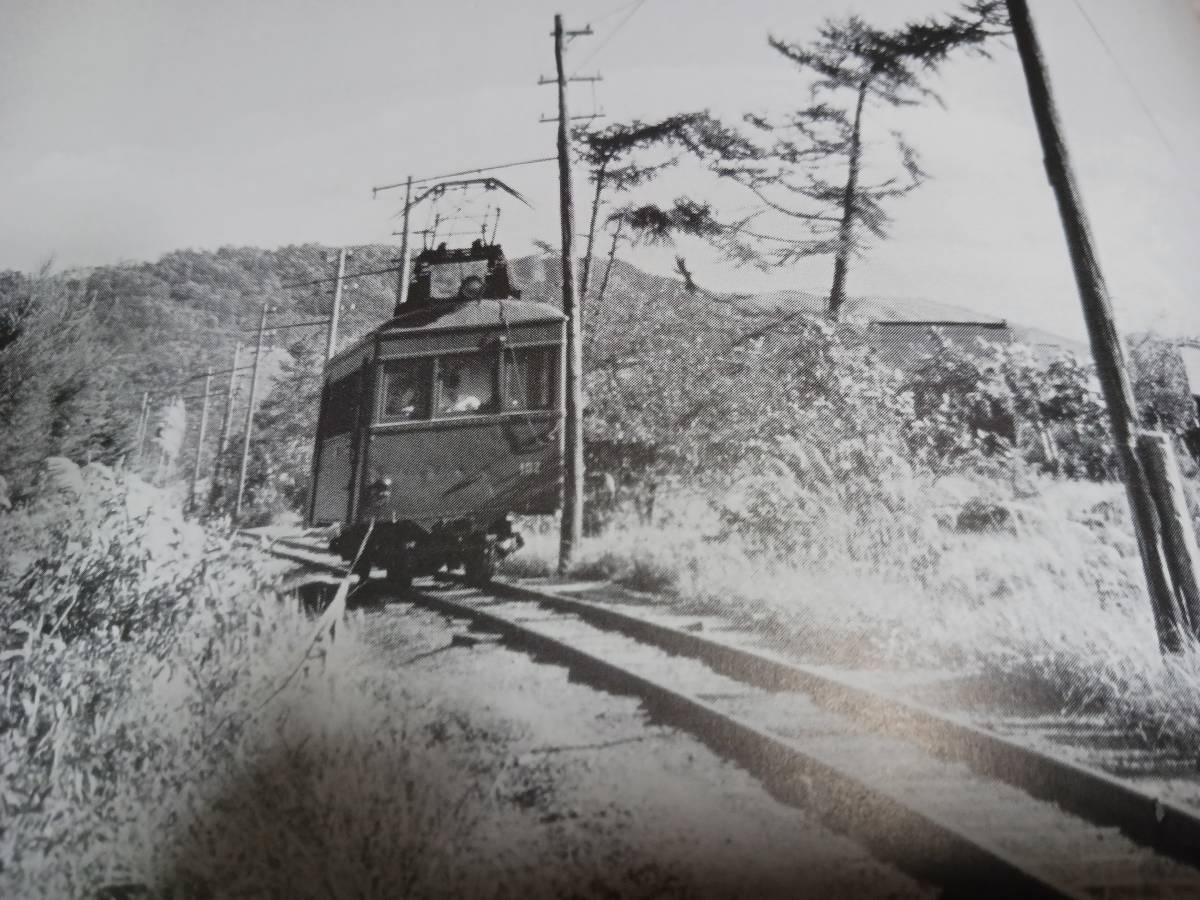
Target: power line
[
  {"x": 614, "y": 11},
  {"x": 509, "y": 165},
  {"x": 587, "y": 59},
  {"x": 301, "y": 284},
  {"x": 1128, "y": 81}
]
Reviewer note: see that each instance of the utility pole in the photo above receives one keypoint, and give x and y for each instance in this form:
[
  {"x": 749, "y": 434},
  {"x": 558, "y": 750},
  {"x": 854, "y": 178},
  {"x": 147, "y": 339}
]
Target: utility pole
[
  {"x": 572, "y": 507},
  {"x": 1151, "y": 496},
  {"x": 402, "y": 285},
  {"x": 142, "y": 420},
  {"x": 226, "y": 421},
  {"x": 200, "y": 440},
  {"x": 331, "y": 341},
  {"x": 262, "y": 326}
]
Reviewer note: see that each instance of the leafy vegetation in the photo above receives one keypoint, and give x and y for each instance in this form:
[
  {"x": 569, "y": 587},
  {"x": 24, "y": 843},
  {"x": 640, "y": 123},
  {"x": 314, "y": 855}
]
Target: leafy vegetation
[
  {"x": 163, "y": 706},
  {"x": 78, "y": 350},
  {"x": 172, "y": 724}
]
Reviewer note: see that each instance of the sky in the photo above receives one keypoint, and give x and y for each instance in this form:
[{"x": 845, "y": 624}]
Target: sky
[{"x": 129, "y": 128}]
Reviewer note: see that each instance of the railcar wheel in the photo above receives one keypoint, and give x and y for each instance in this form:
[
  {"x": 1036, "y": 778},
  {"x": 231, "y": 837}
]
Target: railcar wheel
[
  {"x": 362, "y": 567},
  {"x": 399, "y": 577},
  {"x": 480, "y": 565}
]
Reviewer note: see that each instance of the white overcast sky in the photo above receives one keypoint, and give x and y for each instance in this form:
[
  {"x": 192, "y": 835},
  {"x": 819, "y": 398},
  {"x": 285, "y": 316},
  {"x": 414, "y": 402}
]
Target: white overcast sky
[{"x": 132, "y": 127}]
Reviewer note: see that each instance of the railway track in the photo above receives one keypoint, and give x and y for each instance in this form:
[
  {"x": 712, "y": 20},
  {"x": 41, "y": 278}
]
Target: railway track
[{"x": 968, "y": 810}]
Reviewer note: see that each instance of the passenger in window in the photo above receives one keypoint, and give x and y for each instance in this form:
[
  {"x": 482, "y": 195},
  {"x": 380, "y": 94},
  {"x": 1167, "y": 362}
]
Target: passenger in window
[
  {"x": 406, "y": 390},
  {"x": 452, "y": 400},
  {"x": 465, "y": 385}
]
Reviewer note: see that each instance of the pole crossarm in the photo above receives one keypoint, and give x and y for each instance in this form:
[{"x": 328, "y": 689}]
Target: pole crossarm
[
  {"x": 595, "y": 115},
  {"x": 542, "y": 79}
]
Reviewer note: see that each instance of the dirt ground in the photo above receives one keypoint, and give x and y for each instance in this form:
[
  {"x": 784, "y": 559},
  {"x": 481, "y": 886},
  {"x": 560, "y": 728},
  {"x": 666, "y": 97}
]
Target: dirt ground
[{"x": 628, "y": 807}]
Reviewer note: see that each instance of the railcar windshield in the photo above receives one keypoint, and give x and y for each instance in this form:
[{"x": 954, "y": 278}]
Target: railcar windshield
[
  {"x": 466, "y": 384},
  {"x": 406, "y": 388},
  {"x": 478, "y": 382},
  {"x": 529, "y": 378}
]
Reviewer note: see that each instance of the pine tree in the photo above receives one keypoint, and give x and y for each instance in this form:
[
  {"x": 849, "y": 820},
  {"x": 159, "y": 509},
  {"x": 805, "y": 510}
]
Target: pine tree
[
  {"x": 814, "y": 168},
  {"x": 611, "y": 156}
]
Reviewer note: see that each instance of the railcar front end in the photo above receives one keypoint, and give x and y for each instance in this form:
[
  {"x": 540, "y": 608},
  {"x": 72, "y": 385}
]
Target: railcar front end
[{"x": 442, "y": 424}]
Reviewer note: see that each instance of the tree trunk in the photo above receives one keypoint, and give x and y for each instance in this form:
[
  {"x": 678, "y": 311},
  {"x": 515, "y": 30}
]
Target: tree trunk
[
  {"x": 591, "y": 237},
  {"x": 612, "y": 254},
  {"x": 841, "y": 262}
]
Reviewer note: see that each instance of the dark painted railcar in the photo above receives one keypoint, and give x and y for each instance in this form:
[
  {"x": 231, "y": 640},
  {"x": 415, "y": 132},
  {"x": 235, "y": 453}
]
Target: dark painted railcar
[{"x": 442, "y": 423}]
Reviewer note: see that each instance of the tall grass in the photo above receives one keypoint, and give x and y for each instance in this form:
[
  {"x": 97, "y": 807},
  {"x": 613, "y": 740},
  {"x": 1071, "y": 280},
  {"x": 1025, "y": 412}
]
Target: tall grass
[
  {"x": 1048, "y": 606},
  {"x": 174, "y": 726}
]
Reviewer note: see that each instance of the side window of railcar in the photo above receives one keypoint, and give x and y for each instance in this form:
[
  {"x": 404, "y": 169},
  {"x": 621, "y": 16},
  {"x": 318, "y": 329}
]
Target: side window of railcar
[
  {"x": 341, "y": 400},
  {"x": 529, "y": 378},
  {"x": 466, "y": 384},
  {"x": 405, "y": 393}
]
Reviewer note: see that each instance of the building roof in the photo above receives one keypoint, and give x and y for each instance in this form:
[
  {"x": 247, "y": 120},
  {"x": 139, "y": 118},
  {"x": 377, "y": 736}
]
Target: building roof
[{"x": 905, "y": 344}]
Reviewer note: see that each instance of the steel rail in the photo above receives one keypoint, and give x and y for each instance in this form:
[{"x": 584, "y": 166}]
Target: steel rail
[
  {"x": 912, "y": 835},
  {"x": 1094, "y": 795},
  {"x": 918, "y": 841}
]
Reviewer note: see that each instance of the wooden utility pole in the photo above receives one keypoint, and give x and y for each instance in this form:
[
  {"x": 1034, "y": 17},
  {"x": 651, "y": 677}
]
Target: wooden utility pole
[
  {"x": 143, "y": 418},
  {"x": 226, "y": 422},
  {"x": 200, "y": 440},
  {"x": 1162, "y": 571},
  {"x": 331, "y": 341},
  {"x": 402, "y": 284},
  {"x": 262, "y": 326},
  {"x": 572, "y": 511}
]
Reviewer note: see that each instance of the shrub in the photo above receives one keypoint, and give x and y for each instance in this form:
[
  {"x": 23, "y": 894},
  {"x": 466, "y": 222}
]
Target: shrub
[{"x": 191, "y": 734}]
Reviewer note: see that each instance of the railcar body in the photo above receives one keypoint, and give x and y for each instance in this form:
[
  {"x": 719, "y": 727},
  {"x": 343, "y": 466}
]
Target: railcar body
[{"x": 442, "y": 423}]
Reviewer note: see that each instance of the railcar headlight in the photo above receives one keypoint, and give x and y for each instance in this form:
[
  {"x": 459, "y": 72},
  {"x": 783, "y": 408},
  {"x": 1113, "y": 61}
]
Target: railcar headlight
[{"x": 471, "y": 288}]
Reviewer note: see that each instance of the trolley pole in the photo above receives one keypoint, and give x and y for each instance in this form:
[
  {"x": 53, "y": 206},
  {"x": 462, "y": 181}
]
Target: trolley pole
[
  {"x": 1150, "y": 502},
  {"x": 200, "y": 440},
  {"x": 402, "y": 284},
  {"x": 572, "y": 511},
  {"x": 262, "y": 326},
  {"x": 331, "y": 341}
]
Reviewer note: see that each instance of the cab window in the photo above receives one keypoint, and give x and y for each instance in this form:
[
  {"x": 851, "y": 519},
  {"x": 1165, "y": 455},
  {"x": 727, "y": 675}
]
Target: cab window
[
  {"x": 529, "y": 378},
  {"x": 405, "y": 392},
  {"x": 466, "y": 384}
]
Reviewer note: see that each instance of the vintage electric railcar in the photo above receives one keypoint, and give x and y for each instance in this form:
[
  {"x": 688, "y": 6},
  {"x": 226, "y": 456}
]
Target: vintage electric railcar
[{"x": 442, "y": 423}]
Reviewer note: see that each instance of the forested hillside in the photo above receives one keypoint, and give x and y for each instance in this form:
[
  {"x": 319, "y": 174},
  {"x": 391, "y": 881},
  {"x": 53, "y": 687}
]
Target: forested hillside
[
  {"x": 80, "y": 349},
  {"x": 668, "y": 365}
]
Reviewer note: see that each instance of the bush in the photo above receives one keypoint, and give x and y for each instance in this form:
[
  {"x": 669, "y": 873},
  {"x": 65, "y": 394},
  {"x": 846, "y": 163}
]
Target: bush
[
  {"x": 191, "y": 734},
  {"x": 114, "y": 610}
]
